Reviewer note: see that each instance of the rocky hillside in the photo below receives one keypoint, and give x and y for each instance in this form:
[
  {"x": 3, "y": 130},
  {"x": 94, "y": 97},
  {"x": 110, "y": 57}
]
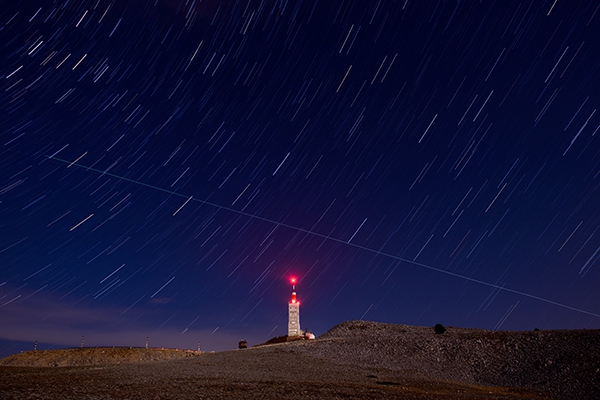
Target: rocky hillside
[
  {"x": 565, "y": 363},
  {"x": 355, "y": 359},
  {"x": 92, "y": 356}
]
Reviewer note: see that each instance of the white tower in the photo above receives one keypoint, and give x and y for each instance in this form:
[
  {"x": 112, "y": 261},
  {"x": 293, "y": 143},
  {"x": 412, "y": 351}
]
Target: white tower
[{"x": 294, "y": 313}]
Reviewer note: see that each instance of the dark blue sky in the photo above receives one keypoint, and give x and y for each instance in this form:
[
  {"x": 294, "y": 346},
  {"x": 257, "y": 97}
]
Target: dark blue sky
[{"x": 167, "y": 165}]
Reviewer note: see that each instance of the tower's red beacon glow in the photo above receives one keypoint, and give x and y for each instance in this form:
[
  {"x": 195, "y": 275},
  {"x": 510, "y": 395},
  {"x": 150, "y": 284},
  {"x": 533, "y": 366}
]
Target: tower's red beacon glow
[{"x": 293, "y": 300}]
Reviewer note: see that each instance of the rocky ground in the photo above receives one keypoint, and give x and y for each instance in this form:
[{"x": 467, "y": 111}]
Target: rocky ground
[
  {"x": 77, "y": 357},
  {"x": 354, "y": 360},
  {"x": 563, "y": 363}
]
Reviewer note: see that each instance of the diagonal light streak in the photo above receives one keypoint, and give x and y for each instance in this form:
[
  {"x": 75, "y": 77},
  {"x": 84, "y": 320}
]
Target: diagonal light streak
[{"x": 333, "y": 239}]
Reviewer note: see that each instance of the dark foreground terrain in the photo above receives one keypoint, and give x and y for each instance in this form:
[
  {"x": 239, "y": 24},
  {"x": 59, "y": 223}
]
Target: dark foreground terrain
[{"x": 354, "y": 360}]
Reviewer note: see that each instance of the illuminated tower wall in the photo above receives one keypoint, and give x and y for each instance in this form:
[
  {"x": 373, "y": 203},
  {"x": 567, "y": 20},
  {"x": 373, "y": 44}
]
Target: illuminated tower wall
[{"x": 294, "y": 314}]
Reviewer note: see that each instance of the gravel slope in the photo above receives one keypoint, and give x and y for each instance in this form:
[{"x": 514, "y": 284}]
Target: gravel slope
[
  {"x": 354, "y": 360},
  {"x": 565, "y": 363},
  {"x": 92, "y": 356}
]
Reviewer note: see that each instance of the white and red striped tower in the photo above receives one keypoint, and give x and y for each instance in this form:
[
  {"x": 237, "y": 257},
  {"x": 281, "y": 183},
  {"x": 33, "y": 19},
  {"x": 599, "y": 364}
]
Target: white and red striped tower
[{"x": 294, "y": 313}]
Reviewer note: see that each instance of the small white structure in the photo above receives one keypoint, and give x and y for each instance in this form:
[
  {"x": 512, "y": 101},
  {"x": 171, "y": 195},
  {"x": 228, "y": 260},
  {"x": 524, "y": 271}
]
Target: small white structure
[{"x": 294, "y": 313}]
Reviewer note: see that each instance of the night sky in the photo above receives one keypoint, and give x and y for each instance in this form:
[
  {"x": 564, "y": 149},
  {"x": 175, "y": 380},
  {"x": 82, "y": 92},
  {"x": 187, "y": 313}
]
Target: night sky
[{"x": 167, "y": 166}]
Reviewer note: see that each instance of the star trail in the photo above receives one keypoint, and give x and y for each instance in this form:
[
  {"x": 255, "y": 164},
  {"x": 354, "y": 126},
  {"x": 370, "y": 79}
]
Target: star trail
[{"x": 166, "y": 166}]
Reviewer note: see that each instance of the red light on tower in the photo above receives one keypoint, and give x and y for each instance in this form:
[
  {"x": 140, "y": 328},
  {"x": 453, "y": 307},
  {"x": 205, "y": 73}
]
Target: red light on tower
[{"x": 294, "y": 300}]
